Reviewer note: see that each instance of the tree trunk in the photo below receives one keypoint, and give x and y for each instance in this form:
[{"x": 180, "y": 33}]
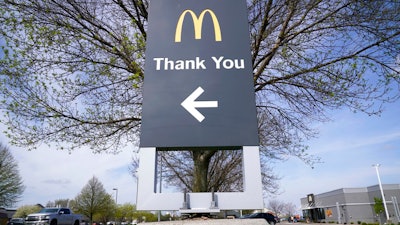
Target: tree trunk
[{"x": 201, "y": 159}]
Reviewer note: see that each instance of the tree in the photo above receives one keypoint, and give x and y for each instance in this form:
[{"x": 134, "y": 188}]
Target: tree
[
  {"x": 289, "y": 209},
  {"x": 24, "y": 211},
  {"x": 58, "y": 203},
  {"x": 276, "y": 206},
  {"x": 281, "y": 208},
  {"x": 108, "y": 214},
  {"x": 221, "y": 173},
  {"x": 124, "y": 213},
  {"x": 11, "y": 185},
  {"x": 378, "y": 206},
  {"x": 93, "y": 200},
  {"x": 73, "y": 71},
  {"x": 144, "y": 216}
]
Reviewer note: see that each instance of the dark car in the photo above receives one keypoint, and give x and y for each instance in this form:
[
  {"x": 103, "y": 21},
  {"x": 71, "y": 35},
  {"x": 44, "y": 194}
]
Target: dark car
[
  {"x": 267, "y": 216},
  {"x": 16, "y": 221}
]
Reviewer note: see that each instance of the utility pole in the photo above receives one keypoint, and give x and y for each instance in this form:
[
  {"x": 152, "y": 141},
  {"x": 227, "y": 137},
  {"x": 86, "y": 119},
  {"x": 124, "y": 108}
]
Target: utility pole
[{"x": 380, "y": 187}]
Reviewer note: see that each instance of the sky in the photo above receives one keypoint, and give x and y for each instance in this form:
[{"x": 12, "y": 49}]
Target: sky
[
  {"x": 347, "y": 146},
  {"x": 50, "y": 174}
]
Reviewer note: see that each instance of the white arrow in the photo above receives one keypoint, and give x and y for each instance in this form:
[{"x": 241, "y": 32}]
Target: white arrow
[{"x": 190, "y": 104}]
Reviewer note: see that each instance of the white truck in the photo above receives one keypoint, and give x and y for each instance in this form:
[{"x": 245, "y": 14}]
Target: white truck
[{"x": 53, "y": 216}]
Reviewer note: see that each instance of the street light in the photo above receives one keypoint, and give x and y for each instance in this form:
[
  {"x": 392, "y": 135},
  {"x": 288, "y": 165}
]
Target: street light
[
  {"x": 116, "y": 195},
  {"x": 380, "y": 187}
]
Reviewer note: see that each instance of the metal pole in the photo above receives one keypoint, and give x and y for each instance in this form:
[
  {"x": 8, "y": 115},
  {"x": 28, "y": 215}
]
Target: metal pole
[
  {"x": 380, "y": 187},
  {"x": 338, "y": 213},
  {"x": 116, "y": 195},
  {"x": 160, "y": 188},
  {"x": 396, "y": 207},
  {"x": 116, "y": 202}
]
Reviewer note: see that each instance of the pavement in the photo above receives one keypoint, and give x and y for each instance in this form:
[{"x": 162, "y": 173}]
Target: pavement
[
  {"x": 223, "y": 222},
  {"x": 212, "y": 222}
]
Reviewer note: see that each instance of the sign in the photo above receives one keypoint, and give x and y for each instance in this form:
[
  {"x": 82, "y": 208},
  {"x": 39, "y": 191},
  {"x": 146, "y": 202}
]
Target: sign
[
  {"x": 198, "y": 23},
  {"x": 198, "y": 85},
  {"x": 310, "y": 198}
]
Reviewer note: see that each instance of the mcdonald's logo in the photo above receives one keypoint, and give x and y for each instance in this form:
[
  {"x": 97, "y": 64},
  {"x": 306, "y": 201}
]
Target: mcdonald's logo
[{"x": 197, "y": 24}]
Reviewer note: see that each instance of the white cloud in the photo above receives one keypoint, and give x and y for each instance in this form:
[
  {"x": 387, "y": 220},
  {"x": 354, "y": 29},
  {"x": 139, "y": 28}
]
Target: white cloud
[
  {"x": 348, "y": 147},
  {"x": 50, "y": 175}
]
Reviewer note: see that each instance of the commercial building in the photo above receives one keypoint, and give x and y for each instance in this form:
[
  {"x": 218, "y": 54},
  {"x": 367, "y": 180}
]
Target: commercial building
[
  {"x": 6, "y": 215},
  {"x": 352, "y": 205}
]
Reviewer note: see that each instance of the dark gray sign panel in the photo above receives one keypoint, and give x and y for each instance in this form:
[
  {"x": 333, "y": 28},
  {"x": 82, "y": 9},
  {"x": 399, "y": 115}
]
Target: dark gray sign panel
[{"x": 198, "y": 86}]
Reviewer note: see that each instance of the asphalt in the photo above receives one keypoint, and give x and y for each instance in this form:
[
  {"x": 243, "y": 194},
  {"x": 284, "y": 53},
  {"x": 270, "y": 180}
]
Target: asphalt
[{"x": 223, "y": 222}]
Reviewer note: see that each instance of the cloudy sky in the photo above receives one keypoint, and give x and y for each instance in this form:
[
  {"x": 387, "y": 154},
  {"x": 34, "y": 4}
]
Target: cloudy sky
[
  {"x": 348, "y": 146},
  {"x": 50, "y": 174}
]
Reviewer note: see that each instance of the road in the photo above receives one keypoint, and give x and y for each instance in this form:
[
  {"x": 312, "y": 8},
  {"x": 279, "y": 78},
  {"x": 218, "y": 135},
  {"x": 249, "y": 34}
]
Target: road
[{"x": 224, "y": 222}]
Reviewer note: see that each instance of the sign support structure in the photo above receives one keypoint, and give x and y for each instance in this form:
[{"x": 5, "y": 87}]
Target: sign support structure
[
  {"x": 198, "y": 93},
  {"x": 250, "y": 198}
]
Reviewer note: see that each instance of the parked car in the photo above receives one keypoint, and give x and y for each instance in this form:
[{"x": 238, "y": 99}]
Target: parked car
[
  {"x": 17, "y": 221},
  {"x": 54, "y": 216},
  {"x": 267, "y": 216}
]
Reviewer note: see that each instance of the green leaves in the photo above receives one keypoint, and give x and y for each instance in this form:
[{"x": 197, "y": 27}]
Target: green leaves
[
  {"x": 378, "y": 206},
  {"x": 70, "y": 71}
]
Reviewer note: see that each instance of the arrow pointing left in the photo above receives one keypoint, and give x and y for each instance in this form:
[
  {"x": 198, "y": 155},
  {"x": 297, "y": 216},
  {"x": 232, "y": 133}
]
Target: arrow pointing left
[{"x": 191, "y": 105}]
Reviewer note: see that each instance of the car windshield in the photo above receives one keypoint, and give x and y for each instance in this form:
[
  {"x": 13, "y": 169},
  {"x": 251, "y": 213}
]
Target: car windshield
[
  {"x": 250, "y": 215},
  {"x": 51, "y": 210}
]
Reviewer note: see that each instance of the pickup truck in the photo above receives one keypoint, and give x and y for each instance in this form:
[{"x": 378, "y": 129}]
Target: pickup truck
[{"x": 53, "y": 216}]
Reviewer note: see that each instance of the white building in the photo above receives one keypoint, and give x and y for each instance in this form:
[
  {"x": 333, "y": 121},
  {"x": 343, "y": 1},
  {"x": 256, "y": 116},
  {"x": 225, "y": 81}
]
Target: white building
[{"x": 352, "y": 205}]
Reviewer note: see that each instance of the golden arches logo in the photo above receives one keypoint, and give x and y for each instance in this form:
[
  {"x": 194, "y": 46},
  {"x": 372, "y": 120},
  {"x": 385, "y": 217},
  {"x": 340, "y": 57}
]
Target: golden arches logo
[{"x": 197, "y": 24}]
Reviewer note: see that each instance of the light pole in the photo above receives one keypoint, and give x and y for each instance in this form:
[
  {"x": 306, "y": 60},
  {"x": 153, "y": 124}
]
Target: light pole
[
  {"x": 380, "y": 187},
  {"x": 159, "y": 212},
  {"x": 116, "y": 195}
]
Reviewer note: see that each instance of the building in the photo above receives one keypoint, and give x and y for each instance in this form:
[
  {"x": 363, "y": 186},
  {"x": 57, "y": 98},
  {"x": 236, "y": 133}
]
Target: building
[
  {"x": 6, "y": 215},
  {"x": 352, "y": 205},
  {"x": 3, "y": 218}
]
